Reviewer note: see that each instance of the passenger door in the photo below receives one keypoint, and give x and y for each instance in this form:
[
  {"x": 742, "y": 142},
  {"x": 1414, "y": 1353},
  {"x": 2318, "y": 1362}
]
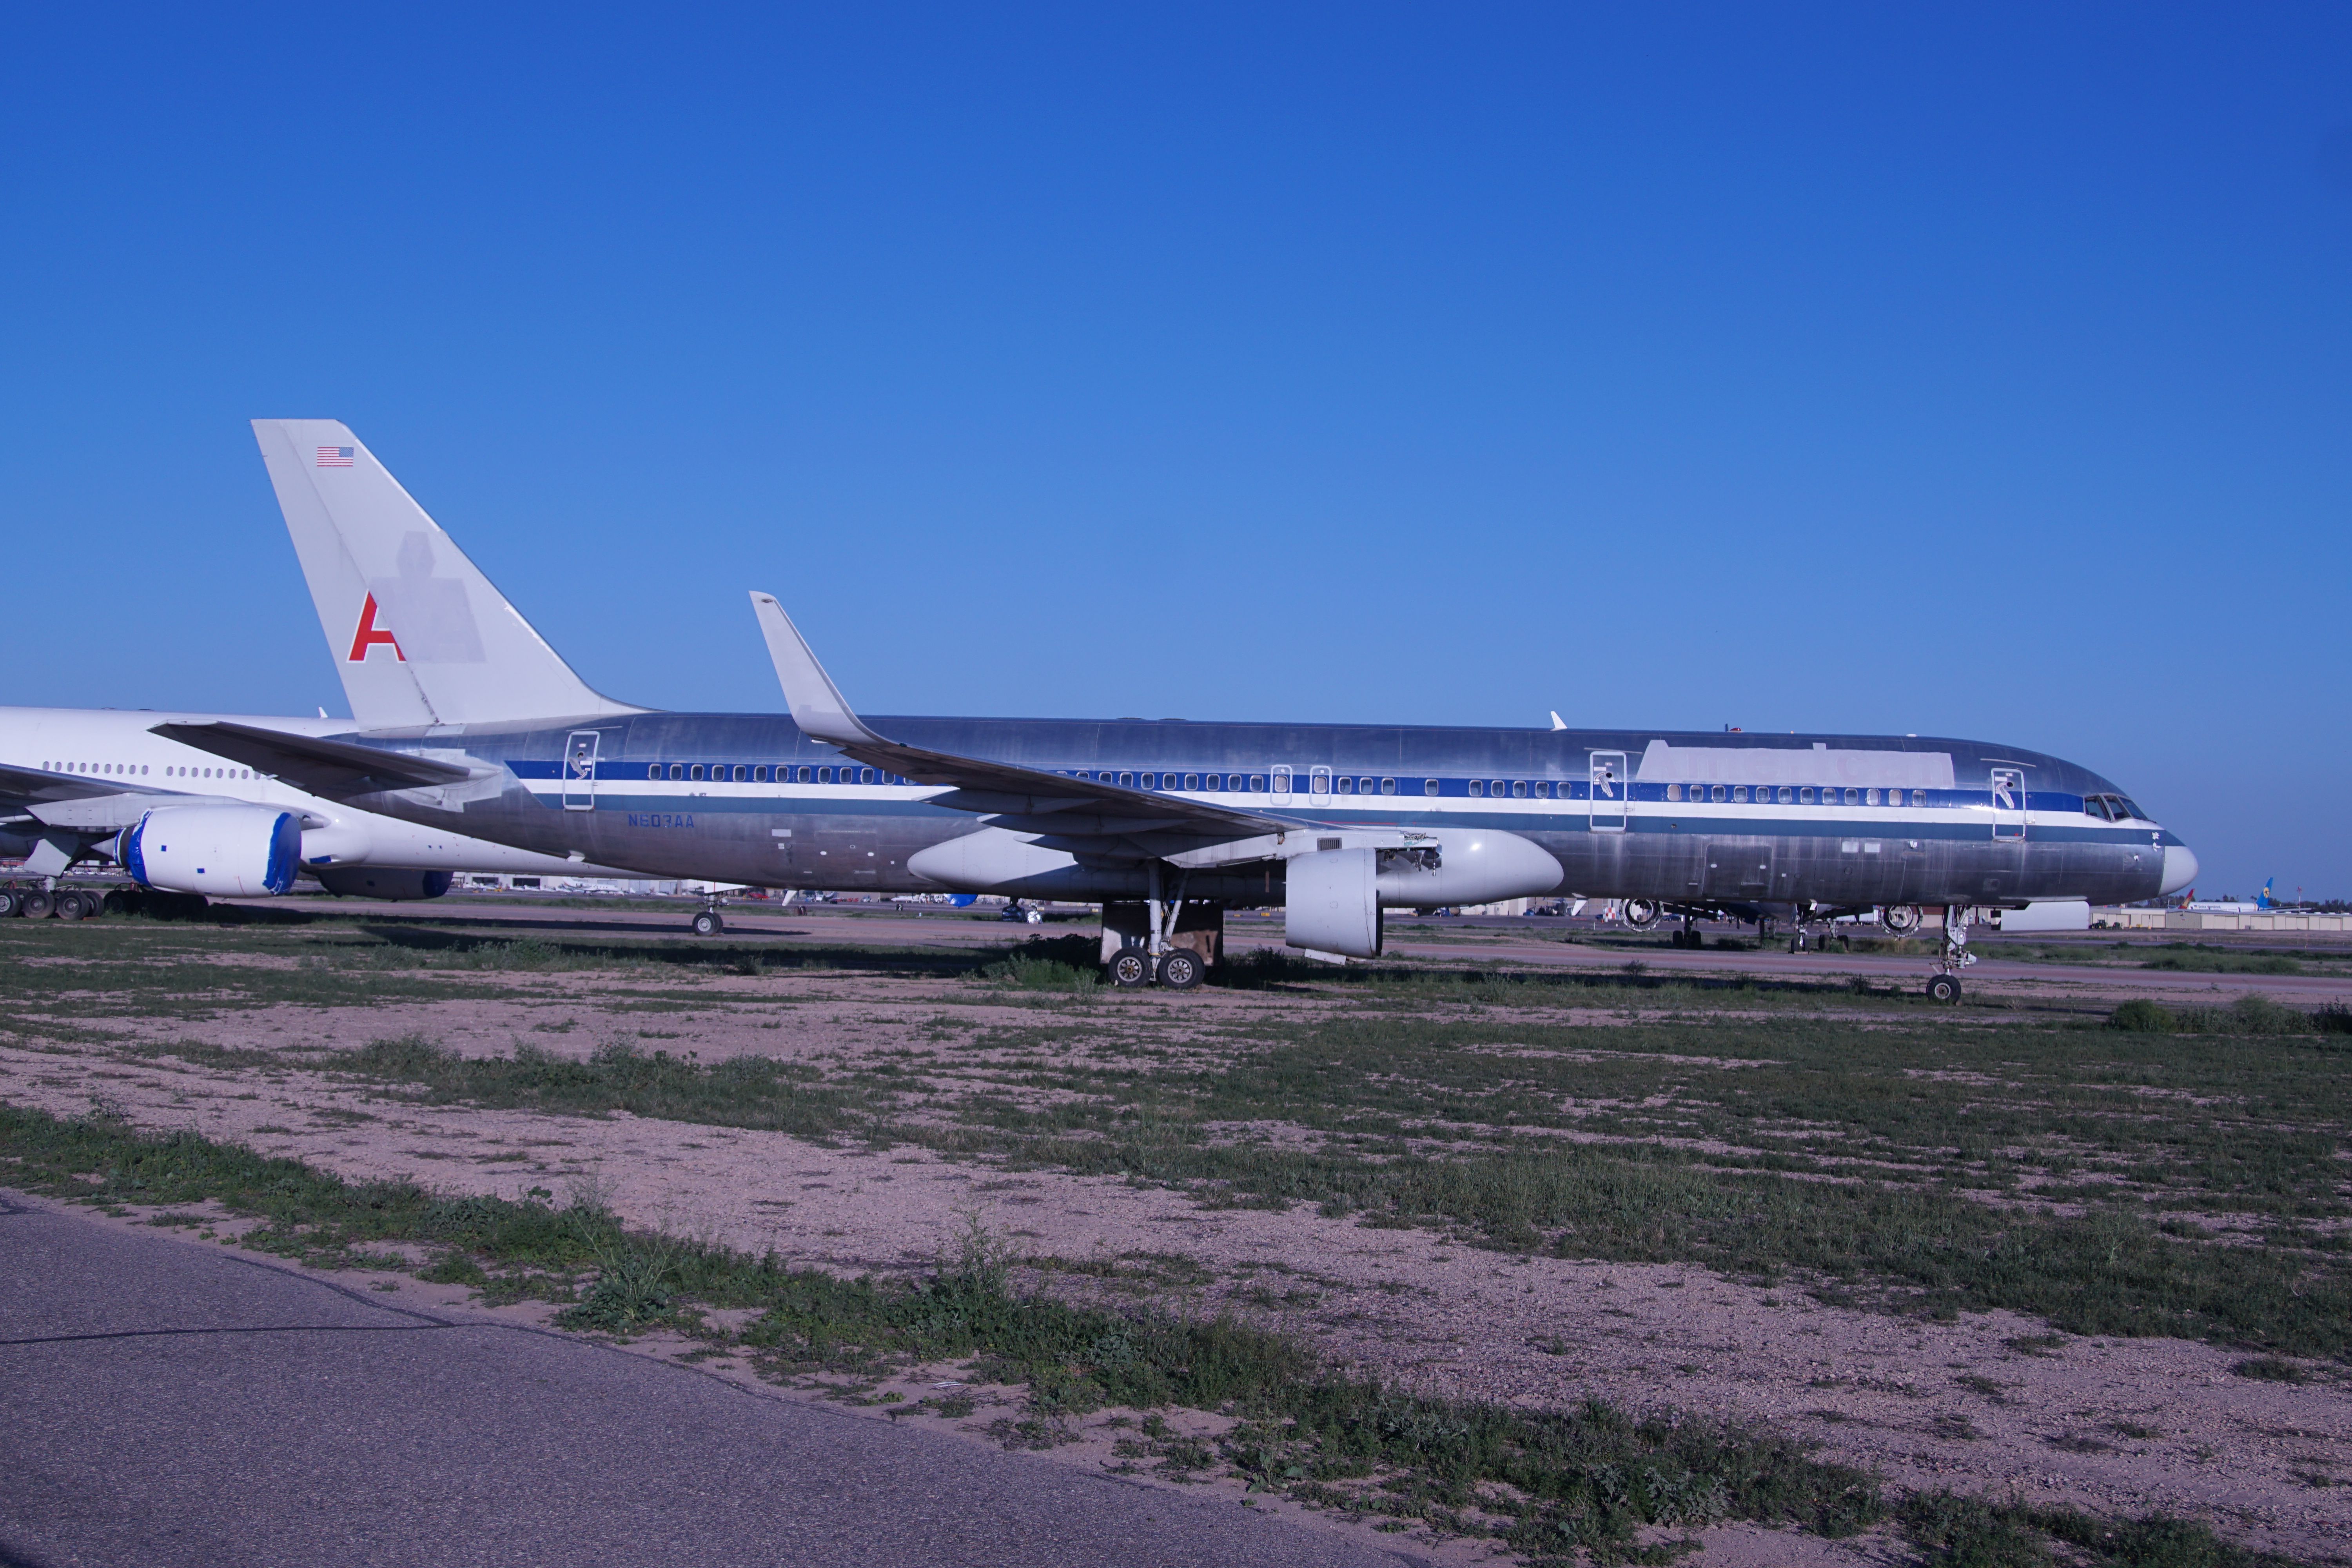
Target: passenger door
[
  {"x": 2007, "y": 805},
  {"x": 579, "y": 771},
  {"x": 1610, "y": 790}
]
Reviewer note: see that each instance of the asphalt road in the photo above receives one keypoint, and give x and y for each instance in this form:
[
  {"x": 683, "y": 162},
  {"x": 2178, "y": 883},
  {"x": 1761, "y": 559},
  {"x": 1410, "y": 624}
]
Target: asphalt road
[{"x": 164, "y": 1402}]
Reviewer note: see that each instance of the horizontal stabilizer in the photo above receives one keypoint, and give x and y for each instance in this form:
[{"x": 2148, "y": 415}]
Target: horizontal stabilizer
[
  {"x": 335, "y": 768},
  {"x": 1075, "y": 807},
  {"x": 26, "y": 787}
]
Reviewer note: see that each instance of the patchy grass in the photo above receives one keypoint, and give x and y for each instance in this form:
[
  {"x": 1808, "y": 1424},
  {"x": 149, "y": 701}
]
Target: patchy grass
[
  {"x": 742, "y": 1091},
  {"x": 1545, "y": 1482}
]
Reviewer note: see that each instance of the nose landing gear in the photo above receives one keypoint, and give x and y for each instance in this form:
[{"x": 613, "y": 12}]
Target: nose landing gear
[{"x": 1945, "y": 986}]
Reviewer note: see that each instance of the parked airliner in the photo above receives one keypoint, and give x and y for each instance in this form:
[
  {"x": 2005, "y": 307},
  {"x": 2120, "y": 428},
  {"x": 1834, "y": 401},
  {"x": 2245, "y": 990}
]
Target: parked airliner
[
  {"x": 466, "y": 720},
  {"x": 102, "y": 786}
]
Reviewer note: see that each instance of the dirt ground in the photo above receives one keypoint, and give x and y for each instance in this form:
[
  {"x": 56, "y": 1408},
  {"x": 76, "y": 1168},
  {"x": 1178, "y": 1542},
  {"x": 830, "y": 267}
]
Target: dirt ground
[{"x": 1991, "y": 1402}]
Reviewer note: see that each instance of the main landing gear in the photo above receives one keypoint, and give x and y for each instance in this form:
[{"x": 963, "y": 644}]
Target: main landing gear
[
  {"x": 1160, "y": 939},
  {"x": 1178, "y": 969}
]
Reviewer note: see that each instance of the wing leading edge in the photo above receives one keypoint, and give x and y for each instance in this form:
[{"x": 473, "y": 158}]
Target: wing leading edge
[{"x": 1027, "y": 800}]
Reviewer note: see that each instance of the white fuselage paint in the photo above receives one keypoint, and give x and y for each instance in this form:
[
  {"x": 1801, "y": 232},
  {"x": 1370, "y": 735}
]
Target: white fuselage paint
[{"x": 107, "y": 743}]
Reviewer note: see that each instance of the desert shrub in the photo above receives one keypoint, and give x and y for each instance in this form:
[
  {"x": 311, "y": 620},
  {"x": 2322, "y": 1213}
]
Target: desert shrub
[{"x": 2143, "y": 1017}]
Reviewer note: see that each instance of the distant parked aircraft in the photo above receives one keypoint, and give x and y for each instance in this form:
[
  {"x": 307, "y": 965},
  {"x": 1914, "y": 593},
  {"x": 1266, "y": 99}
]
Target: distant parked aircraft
[{"x": 2232, "y": 906}]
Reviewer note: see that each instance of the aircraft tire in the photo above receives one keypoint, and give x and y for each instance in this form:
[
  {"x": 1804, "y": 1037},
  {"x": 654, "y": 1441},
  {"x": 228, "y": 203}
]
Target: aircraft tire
[
  {"x": 1130, "y": 969},
  {"x": 709, "y": 923},
  {"x": 11, "y": 902},
  {"x": 1181, "y": 969},
  {"x": 1944, "y": 988},
  {"x": 70, "y": 906},
  {"x": 35, "y": 905}
]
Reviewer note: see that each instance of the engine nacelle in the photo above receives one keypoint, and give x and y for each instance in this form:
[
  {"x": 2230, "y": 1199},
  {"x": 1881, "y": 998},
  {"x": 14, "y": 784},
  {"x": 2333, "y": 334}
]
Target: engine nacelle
[
  {"x": 1469, "y": 866},
  {"x": 1334, "y": 902},
  {"x": 233, "y": 851},
  {"x": 381, "y": 882}
]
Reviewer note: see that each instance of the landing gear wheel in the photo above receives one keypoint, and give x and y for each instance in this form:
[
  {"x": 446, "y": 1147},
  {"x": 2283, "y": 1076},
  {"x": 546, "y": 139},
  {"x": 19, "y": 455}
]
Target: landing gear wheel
[
  {"x": 709, "y": 923},
  {"x": 1180, "y": 969},
  {"x": 11, "y": 902},
  {"x": 35, "y": 905},
  {"x": 70, "y": 906},
  {"x": 1944, "y": 988},
  {"x": 1130, "y": 968}
]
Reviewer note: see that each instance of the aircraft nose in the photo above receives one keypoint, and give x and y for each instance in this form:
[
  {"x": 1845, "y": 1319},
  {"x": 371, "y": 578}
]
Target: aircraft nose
[{"x": 2180, "y": 868}]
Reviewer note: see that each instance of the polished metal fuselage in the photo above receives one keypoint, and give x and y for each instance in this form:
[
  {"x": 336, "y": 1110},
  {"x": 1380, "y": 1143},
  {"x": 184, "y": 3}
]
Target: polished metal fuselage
[{"x": 748, "y": 798}]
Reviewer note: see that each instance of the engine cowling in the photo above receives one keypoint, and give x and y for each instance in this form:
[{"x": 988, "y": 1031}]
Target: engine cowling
[
  {"x": 232, "y": 851},
  {"x": 381, "y": 882},
  {"x": 1334, "y": 902}
]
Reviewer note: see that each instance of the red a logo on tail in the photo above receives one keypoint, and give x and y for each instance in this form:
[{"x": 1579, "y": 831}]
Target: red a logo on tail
[{"x": 369, "y": 635}]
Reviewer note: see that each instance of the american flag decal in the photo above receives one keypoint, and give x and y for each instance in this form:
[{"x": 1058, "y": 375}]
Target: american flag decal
[{"x": 335, "y": 457}]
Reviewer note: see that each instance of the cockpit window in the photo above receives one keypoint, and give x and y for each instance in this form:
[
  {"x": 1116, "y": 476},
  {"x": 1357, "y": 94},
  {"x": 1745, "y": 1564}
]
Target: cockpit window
[{"x": 2129, "y": 811}]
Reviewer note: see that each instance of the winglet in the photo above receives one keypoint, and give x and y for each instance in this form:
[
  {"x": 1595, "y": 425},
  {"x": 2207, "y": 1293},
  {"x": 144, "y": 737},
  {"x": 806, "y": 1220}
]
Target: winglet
[{"x": 815, "y": 701}]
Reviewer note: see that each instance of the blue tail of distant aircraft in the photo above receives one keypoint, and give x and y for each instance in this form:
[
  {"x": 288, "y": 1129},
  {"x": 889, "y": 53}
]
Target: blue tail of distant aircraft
[{"x": 2263, "y": 899}]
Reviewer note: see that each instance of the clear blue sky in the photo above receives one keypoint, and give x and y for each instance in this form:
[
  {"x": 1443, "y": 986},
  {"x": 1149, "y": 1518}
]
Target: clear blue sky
[{"x": 1874, "y": 368}]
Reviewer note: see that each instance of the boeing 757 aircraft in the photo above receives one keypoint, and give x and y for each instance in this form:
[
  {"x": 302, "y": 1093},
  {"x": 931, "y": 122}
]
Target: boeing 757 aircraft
[
  {"x": 100, "y": 785},
  {"x": 466, "y": 720}
]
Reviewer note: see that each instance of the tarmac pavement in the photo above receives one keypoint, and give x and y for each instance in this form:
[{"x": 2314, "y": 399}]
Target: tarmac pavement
[{"x": 165, "y": 1402}]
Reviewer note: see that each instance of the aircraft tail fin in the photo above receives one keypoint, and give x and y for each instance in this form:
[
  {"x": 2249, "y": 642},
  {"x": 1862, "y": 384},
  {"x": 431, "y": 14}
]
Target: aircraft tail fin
[
  {"x": 418, "y": 634},
  {"x": 2263, "y": 899}
]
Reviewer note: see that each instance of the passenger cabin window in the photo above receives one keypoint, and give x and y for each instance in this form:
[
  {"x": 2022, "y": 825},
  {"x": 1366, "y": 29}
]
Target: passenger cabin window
[
  {"x": 1787, "y": 796},
  {"x": 865, "y": 775},
  {"x": 1805, "y": 796},
  {"x": 739, "y": 773},
  {"x": 1346, "y": 786},
  {"x": 677, "y": 769},
  {"x": 1673, "y": 792},
  {"x": 1388, "y": 787},
  {"x": 1429, "y": 787},
  {"x": 1520, "y": 788},
  {"x": 1281, "y": 777},
  {"x": 824, "y": 775},
  {"x": 1192, "y": 781},
  {"x": 695, "y": 772},
  {"x": 1854, "y": 797},
  {"x": 1478, "y": 787},
  {"x": 1257, "y": 784},
  {"x": 1127, "y": 779},
  {"x": 1318, "y": 781},
  {"x": 1717, "y": 793},
  {"x": 1739, "y": 793},
  {"x": 1870, "y": 797}
]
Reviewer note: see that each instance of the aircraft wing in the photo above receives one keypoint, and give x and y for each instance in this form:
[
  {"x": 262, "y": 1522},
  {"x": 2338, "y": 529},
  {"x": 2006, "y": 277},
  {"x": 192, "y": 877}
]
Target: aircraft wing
[
  {"x": 1028, "y": 800},
  {"x": 29, "y": 788},
  {"x": 335, "y": 768}
]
